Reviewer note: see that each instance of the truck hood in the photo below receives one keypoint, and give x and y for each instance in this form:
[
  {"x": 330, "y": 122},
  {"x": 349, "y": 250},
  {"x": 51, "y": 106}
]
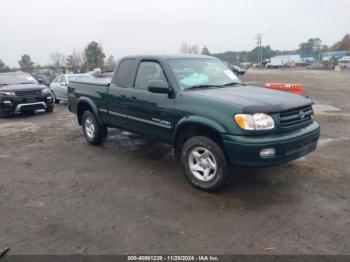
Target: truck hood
[
  {"x": 21, "y": 87},
  {"x": 253, "y": 99}
]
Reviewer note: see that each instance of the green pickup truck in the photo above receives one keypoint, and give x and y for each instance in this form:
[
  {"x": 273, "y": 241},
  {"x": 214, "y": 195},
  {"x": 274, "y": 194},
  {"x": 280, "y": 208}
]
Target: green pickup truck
[{"x": 197, "y": 104}]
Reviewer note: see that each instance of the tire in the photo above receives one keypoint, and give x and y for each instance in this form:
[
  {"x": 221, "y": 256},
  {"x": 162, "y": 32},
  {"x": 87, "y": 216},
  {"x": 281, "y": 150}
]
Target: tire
[
  {"x": 4, "y": 114},
  {"x": 94, "y": 132},
  {"x": 56, "y": 101},
  {"x": 204, "y": 153},
  {"x": 50, "y": 108}
]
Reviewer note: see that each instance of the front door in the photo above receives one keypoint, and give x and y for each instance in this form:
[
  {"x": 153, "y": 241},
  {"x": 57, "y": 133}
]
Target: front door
[
  {"x": 55, "y": 86},
  {"x": 150, "y": 113},
  {"x": 62, "y": 89}
]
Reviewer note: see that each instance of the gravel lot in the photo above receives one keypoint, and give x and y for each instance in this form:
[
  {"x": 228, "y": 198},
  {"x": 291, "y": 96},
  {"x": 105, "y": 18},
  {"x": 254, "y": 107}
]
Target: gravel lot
[{"x": 59, "y": 195}]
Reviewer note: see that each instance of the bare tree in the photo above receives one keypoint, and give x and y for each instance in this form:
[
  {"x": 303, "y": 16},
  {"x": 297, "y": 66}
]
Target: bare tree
[
  {"x": 75, "y": 62},
  {"x": 184, "y": 48},
  {"x": 110, "y": 64},
  {"x": 189, "y": 49},
  {"x": 58, "y": 59},
  {"x": 194, "y": 49}
]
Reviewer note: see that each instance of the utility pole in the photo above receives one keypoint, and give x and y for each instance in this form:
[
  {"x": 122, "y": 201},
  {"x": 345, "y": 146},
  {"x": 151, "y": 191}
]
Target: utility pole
[{"x": 259, "y": 49}]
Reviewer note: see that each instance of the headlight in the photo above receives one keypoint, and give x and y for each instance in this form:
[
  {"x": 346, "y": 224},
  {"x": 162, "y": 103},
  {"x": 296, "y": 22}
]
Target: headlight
[
  {"x": 258, "y": 121},
  {"x": 45, "y": 91},
  {"x": 7, "y": 93}
]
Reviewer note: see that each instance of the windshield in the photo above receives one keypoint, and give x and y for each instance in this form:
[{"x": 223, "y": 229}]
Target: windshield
[
  {"x": 16, "y": 78},
  {"x": 80, "y": 77},
  {"x": 192, "y": 72}
]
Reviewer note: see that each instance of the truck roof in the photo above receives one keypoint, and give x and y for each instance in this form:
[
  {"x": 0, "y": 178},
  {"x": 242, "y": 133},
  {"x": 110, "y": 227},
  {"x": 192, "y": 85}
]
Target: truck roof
[{"x": 163, "y": 57}]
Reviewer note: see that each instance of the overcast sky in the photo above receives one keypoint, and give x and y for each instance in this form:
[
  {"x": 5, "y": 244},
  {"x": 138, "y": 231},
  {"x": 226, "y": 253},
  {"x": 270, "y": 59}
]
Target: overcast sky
[{"x": 41, "y": 27}]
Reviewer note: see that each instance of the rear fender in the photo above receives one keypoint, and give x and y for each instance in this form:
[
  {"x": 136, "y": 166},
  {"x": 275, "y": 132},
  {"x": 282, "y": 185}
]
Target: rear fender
[{"x": 93, "y": 107}]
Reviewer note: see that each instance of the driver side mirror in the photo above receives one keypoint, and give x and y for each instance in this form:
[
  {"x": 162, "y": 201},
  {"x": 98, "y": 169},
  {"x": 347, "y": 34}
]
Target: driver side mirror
[{"x": 159, "y": 87}]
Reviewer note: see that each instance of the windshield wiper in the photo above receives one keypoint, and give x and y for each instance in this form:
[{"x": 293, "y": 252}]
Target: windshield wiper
[
  {"x": 202, "y": 86},
  {"x": 214, "y": 86},
  {"x": 26, "y": 83},
  {"x": 232, "y": 84}
]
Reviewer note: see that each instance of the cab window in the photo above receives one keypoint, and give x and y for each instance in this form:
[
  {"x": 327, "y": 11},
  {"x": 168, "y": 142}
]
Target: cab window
[{"x": 148, "y": 71}]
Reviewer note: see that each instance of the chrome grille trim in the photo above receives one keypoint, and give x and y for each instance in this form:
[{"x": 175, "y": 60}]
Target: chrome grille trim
[{"x": 296, "y": 116}]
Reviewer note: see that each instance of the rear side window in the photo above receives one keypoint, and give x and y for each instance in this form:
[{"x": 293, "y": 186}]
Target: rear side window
[{"x": 125, "y": 72}]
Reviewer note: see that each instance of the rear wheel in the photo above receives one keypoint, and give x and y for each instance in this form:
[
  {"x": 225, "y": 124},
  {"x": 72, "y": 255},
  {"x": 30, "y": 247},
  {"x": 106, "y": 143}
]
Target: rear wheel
[
  {"x": 204, "y": 163},
  {"x": 94, "y": 132}
]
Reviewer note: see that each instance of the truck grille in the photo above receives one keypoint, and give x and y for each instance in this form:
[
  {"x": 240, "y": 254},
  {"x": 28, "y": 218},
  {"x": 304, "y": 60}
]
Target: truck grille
[
  {"x": 296, "y": 116},
  {"x": 28, "y": 93}
]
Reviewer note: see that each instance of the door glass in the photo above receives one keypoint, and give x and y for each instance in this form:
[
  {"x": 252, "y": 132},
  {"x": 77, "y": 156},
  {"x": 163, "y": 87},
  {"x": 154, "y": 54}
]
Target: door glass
[
  {"x": 148, "y": 71},
  {"x": 56, "y": 80},
  {"x": 63, "y": 79}
]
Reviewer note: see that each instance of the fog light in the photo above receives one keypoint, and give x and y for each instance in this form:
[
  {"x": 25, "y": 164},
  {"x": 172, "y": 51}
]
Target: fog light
[
  {"x": 267, "y": 153},
  {"x": 7, "y": 103}
]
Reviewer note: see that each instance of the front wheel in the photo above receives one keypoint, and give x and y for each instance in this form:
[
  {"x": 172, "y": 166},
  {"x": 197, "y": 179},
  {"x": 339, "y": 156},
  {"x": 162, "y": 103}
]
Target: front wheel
[
  {"x": 204, "y": 163},
  {"x": 56, "y": 101},
  {"x": 49, "y": 108},
  {"x": 94, "y": 132},
  {"x": 4, "y": 114}
]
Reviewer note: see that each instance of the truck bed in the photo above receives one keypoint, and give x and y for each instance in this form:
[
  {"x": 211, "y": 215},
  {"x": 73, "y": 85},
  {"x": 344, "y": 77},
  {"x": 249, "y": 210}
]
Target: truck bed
[{"x": 94, "y": 90}]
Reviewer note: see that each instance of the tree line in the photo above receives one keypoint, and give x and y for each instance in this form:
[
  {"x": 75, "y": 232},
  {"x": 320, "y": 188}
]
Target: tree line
[
  {"x": 93, "y": 55},
  {"x": 91, "y": 58},
  {"x": 312, "y": 47}
]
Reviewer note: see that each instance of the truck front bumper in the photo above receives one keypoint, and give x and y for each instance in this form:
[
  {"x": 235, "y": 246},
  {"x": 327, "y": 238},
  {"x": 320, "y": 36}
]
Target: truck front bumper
[{"x": 246, "y": 150}]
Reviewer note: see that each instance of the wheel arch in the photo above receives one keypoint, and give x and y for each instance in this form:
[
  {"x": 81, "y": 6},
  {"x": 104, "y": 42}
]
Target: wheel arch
[
  {"x": 87, "y": 104},
  {"x": 197, "y": 125}
]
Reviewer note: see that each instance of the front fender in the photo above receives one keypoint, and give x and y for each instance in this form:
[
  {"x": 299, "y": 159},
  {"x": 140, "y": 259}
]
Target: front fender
[{"x": 199, "y": 120}]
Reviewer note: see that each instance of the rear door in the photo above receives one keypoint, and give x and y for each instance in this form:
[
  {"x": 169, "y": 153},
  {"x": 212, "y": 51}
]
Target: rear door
[
  {"x": 118, "y": 92},
  {"x": 150, "y": 113}
]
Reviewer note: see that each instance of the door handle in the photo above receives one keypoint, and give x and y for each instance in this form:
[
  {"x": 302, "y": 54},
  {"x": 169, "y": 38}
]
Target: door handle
[
  {"x": 133, "y": 97},
  {"x": 122, "y": 96}
]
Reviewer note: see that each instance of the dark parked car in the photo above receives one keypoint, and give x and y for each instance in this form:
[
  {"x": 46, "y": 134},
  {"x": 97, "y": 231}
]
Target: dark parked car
[
  {"x": 43, "y": 79},
  {"x": 238, "y": 70},
  {"x": 198, "y": 106},
  {"x": 20, "y": 92}
]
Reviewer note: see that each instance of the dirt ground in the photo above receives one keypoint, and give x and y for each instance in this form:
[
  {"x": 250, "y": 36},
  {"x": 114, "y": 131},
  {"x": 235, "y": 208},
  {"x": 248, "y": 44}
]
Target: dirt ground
[{"x": 59, "y": 195}]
